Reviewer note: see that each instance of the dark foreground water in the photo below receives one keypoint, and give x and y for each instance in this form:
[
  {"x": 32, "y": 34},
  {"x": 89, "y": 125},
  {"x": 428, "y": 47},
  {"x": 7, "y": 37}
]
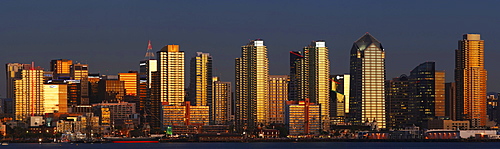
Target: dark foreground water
[{"x": 256, "y": 145}]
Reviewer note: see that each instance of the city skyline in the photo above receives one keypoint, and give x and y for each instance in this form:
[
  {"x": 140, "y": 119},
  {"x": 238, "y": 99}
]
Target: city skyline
[{"x": 36, "y": 31}]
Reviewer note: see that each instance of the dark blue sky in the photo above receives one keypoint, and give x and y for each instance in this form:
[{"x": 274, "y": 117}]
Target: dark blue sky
[{"x": 111, "y": 36}]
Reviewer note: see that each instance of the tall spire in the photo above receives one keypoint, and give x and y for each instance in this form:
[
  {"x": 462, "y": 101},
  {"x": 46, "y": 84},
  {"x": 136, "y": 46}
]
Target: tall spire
[{"x": 149, "y": 52}]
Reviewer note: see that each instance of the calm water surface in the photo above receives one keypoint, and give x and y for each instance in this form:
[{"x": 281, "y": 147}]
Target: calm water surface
[{"x": 277, "y": 145}]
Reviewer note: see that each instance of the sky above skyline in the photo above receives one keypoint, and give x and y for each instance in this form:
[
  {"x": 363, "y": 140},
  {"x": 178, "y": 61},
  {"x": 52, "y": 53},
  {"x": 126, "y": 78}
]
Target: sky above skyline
[{"x": 111, "y": 36}]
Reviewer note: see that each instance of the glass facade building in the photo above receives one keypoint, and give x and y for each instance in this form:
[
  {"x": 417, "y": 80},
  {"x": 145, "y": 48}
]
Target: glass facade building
[
  {"x": 170, "y": 75},
  {"x": 470, "y": 79},
  {"x": 222, "y": 103},
  {"x": 200, "y": 86},
  {"x": 278, "y": 95},
  {"x": 367, "y": 70},
  {"x": 29, "y": 95},
  {"x": 251, "y": 93}
]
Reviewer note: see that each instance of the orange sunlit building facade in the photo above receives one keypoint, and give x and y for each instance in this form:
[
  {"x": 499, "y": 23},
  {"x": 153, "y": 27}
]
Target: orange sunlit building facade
[{"x": 470, "y": 78}]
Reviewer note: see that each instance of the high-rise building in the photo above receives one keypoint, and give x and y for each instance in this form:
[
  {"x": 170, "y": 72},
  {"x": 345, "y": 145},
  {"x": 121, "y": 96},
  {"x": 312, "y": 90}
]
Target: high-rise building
[
  {"x": 278, "y": 95},
  {"x": 309, "y": 77},
  {"x": 61, "y": 68},
  {"x": 367, "y": 70},
  {"x": 221, "y": 107},
  {"x": 149, "y": 107},
  {"x": 416, "y": 99},
  {"x": 200, "y": 86},
  {"x": 470, "y": 79},
  {"x": 170, "y": 75},
  {"x": 319, "y": 72},
  {"x": 29, "y": 93},
  {"x": 299, "y": 84},
  {"x": 428, "y": 91},
  {"x": 251, "y": 93},
  {"x": 81, "y": 72},
  {"x": 402, "y": 111}
]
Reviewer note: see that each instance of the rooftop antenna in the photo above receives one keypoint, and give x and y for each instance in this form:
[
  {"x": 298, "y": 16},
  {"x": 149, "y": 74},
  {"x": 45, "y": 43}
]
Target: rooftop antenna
[{"x": 149, "y": 52}]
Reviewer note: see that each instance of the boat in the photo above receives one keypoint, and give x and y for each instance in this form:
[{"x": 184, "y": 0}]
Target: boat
[
  {"x": 5, "y": 143},
  {"x": 133, "y": 140}
]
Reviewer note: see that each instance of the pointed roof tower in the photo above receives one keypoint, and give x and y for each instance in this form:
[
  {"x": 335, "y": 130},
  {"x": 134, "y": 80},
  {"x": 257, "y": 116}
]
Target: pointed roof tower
[
  {"x": 149, "y": 52},
  {"x": 367, "y": 40}
]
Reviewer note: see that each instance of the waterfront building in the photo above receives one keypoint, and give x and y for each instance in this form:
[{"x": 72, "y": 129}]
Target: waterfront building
[
  {"x": 367, "y": 70},
  {"x": 184, "y": 114},
  {"x": 402, "y": 111},
  {"x": 118, "y": 114},
  {"x": 416, "y": 99},
  {"x": 448, "y": 124},
  {"x": 221, "y": 106},
  {"x": 309, "y": 77},
  {"x": 319, "y": 72},
  {"x": 251, "y": 93},
  {"x": 428, "y": 90},
  {"x": 303, "y": 117},
  {"x": 470, "y": 79},
  {"x": 278, "y": 95}
]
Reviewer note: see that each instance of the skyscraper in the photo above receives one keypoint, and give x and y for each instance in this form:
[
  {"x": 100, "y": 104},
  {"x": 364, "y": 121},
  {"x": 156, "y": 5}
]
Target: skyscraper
[
  {"x": 319, "y": 72},
  {"x": 428, "y": 91},
  {"x": 278, "y": 95},
  {"x": 299, "y": 71},
  {"x": 309, "y": 77},
  {"x": 171, "y": 75},
  {"x": 149, "y": 106},
  {"x": 29, "y": 93},
  {"x": 416, "y": 99},
  {"x": 470, "y": 79},
  {"x": 221, "y": 107},
  {"x": 367, "y": 70},
  {"x": 402, "y": 111},
  {"x": 200, "y": 86},
  {"x": 252, "y": 74}
]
